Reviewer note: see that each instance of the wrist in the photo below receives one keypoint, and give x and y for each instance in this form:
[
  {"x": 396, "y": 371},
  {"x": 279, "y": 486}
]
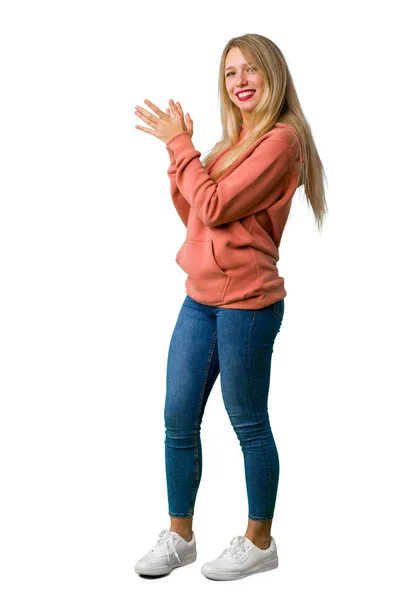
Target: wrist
[{"x": 175, "y": 136}]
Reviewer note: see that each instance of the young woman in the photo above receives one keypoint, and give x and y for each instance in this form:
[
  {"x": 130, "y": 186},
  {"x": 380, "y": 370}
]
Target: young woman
[{"x": 235, "y": 206}]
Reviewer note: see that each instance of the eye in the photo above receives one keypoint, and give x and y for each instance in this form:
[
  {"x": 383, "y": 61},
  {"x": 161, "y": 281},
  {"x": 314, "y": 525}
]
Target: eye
[{"x": 230, "y": 72}]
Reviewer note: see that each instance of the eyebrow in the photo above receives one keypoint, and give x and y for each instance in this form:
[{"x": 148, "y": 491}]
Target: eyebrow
[{"x": 226, "y": 68}]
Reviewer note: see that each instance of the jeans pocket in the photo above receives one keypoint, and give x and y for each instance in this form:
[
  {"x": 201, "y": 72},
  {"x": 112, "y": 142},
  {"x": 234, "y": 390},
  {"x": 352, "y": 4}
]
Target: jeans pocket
[{"x": 279, "y": 308}]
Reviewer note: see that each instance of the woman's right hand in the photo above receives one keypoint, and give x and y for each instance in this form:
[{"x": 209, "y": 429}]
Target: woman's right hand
[{"x": 188, "y": 120}]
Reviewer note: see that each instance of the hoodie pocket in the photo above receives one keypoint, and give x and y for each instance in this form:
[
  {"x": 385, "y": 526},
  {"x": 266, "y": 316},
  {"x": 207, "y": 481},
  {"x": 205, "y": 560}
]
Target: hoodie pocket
[{"x": 206, "y": 281}]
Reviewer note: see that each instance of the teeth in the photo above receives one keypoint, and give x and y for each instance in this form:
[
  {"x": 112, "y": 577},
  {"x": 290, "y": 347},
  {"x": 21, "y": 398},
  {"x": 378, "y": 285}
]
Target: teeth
[{"x": 245, "y": 94}]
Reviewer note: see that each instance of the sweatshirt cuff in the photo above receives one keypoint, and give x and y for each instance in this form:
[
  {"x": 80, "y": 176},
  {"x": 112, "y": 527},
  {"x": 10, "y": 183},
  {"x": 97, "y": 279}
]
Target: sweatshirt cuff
[
  {"x": 171, "y": 154},
  {"x": 180, "y": 141}
]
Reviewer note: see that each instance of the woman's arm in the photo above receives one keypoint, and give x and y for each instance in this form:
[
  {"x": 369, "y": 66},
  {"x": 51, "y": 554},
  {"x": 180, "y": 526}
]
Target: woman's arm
[
  {"x": 256, "y": 183},
  {"x": 181, "y": 205}
]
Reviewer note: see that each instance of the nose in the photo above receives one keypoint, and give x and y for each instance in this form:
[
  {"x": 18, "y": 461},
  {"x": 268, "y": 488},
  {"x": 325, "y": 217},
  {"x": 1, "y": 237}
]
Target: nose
[{"x": 242, "y": 81}]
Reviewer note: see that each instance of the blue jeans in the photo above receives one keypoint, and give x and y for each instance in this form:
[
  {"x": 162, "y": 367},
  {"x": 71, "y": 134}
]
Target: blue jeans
[{"x": 238, "y": 345}]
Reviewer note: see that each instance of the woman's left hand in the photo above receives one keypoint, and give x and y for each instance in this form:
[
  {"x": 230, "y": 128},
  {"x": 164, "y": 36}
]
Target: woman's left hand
[{"x": 164, "y": 126}]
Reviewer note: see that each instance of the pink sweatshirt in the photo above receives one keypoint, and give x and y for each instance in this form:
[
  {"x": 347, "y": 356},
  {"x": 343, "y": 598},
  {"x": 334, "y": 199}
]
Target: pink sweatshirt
[{"x": 234, "y": 225}]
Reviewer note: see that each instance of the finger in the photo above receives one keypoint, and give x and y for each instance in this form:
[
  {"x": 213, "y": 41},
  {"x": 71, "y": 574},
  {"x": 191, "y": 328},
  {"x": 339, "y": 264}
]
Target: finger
[
  {"x": 146, "y": 130},
  {"x": 146, "y": 120},
  {"x": 174, "y": 108},
  {"x": 145, "y": 115},
  {"x": 179, "y": 108},
  {"x": 155, "y": 108}
]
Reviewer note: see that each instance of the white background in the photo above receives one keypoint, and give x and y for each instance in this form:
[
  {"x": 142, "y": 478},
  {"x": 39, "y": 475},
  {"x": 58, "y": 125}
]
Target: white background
[{"x": 90, "y": 293}]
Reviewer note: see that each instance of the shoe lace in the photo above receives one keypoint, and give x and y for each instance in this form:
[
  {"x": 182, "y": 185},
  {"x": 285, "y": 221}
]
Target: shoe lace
[
  {"x": 165, "y": 543},
  {"x": 237, "y": 547}
]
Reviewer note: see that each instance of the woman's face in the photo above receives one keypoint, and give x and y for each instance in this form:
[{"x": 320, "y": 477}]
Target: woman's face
[{"x": 240, "y": 76}]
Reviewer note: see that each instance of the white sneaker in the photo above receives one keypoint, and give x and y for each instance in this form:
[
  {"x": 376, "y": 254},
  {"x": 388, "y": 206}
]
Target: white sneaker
[
  {"x": 171, "y": 551},
  {"x": 242, "y": 558}
]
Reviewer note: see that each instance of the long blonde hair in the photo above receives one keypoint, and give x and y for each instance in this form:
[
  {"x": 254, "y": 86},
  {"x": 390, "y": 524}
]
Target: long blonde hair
[{"x": 279, "y": 104}]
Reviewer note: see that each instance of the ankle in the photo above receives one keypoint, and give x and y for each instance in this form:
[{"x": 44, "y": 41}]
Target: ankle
[
  {"x": 263, "y": 541},
  {"x": 185, "y": 534}
]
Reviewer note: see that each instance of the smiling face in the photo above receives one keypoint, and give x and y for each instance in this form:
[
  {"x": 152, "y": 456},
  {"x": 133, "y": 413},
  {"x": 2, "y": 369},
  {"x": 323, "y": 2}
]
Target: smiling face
[{"x": 241, "y": 76}]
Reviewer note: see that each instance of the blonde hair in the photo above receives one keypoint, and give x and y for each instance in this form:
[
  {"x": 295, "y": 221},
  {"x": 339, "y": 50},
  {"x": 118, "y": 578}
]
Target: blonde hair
[{"x": 279, "y": 104}]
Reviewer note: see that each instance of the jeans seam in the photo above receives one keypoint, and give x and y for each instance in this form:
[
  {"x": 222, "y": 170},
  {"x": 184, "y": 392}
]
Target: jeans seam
[
  {"x": 278, "y": 312},
  {"x": 197, "y": 462},
  {"x": 194, "y": 308},
  {"x": 269, "y": 498}
]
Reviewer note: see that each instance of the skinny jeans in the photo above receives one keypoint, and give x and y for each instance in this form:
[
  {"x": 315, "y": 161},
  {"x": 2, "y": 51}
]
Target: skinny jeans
[{"x": 236, "y": 344}]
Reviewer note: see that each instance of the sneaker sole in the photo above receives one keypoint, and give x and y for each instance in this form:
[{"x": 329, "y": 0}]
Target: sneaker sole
[
  {"x": 165, "y": 570},
  {"x": 215, "y": 575}
]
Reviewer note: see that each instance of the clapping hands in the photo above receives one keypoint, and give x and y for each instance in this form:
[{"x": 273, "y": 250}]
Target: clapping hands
[{"x": 166, "y": 124}]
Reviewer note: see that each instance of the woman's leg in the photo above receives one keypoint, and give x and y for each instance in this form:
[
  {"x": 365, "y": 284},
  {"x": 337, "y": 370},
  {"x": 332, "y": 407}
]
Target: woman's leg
[
  {"x": 245, "y": 346},
  {"x": 192, "y": 368}
]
